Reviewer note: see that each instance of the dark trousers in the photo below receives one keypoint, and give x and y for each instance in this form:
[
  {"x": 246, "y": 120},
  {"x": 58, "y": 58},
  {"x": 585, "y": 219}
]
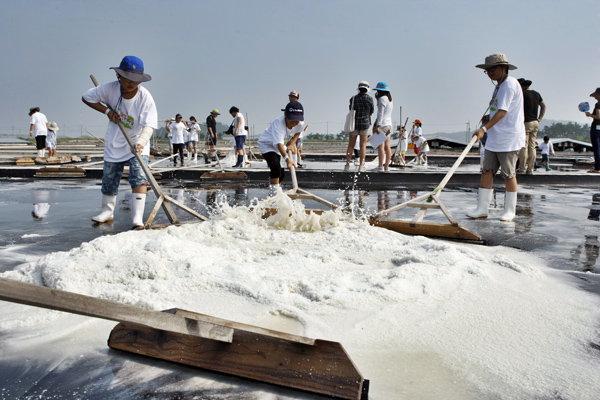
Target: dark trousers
[
  {"x": 178, "y": 148},
  {"x": 595, "y": 139}
]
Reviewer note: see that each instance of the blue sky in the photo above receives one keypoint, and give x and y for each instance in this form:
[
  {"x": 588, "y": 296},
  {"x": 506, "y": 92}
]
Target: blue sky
[{"x": 211, "y": 54}]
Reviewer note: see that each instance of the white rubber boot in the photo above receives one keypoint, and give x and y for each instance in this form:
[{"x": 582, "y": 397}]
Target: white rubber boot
[
  {"x": 510, "y": 207},
  {"x": 195, "y": 156},
  {"x": 483, "y": 204},
  {"x": 137, "y": 209},
  {"x": 108, "y": 209},
  {"x": 40, "y": 155}
]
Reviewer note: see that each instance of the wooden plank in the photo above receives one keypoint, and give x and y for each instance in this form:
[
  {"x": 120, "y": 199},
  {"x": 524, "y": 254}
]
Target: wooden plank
[
  {"x": 427, "y": 229},
  {"x": 184, "y": 208},
  {"x": 419, "y": 216},
  {"x": 423, "y": 205},
  {"x": 323, "y": 368},
  {"x": 250, "y": 328},
  {"x": 40, "y": 296},
  {"x": 25, "y": 161},
  {"x": 224, "y": 175}
]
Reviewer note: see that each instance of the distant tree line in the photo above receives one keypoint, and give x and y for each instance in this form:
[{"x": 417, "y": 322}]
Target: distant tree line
[{"x": 571, "y": 130}]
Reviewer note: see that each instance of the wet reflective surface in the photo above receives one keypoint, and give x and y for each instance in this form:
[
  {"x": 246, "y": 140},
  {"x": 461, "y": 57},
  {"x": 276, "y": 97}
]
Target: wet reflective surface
[{"x": 560, "y": 224}]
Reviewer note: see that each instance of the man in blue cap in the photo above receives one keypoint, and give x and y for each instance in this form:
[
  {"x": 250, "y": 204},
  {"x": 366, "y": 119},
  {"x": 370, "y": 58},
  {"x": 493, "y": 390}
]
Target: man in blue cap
[{"x": 134, "y": 106}]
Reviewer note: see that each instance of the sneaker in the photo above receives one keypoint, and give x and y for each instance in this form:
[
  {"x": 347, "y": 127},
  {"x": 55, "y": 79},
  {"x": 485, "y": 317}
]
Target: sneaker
[
  {"x": 346, "y": 168},
  {"x": 377, "y": 169},
  {"x": 528, "y": 173},
  {"x": 548, "y": 169},
  {"x": 386, "y": 169}
]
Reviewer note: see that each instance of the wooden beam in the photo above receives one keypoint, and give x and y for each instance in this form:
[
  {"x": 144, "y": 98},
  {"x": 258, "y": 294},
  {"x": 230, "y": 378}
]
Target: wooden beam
[
  {"x": 323, "y": 367},
  {"x": 427, "y": 229},
  {"x": 53, "y": 299}
]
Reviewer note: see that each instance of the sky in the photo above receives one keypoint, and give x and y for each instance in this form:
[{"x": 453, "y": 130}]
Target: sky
[{"x": 250, "y": 54}]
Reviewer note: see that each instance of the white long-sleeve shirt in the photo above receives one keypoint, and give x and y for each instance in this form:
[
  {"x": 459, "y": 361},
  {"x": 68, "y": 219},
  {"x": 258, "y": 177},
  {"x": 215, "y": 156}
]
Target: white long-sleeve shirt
[{"x": 385, "y": 107}]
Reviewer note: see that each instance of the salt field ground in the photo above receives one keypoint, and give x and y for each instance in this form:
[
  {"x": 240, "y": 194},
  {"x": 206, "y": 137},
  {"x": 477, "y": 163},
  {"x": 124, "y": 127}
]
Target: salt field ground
[{"x": 421, "y": 318}]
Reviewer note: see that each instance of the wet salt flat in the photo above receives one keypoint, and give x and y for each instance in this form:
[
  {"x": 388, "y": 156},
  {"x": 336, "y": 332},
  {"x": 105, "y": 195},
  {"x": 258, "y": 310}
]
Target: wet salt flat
[{"x": 421, "y": 318}]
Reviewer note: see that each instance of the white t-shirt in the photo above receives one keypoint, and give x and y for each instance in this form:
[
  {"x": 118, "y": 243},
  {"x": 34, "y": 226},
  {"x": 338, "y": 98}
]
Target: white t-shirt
[
  {"x": 136, "y": 113},
  {"x": 194, "y": 131},
  {"x": 509, "y": 133},
  {"x": 178, "y": 130},
  {"x": 418, "y": 131},
  {"x": 299, "y": 126},
  {"x": 275, "y": 134},
  {"x": 385, "y": 107},
  {"x": 547, "y": 148},
  {"x": 239, "y": 118},
  {"x": 404, "y": 141},
  {"x": 39, "y": 122},
  {"x": 419, "y": 142}
]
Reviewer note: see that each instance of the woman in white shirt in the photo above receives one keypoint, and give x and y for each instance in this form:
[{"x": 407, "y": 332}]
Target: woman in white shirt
[
  {"x": 193, "y": 138},
  {"x": 239, "y": 135},
  {"x": 385, "y": 107}
]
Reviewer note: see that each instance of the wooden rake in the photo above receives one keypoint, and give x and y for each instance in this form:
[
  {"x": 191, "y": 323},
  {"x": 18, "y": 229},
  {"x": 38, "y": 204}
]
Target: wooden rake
[
  {"x": 424, "y": 203},
  {"x": 163, "y": 200}
]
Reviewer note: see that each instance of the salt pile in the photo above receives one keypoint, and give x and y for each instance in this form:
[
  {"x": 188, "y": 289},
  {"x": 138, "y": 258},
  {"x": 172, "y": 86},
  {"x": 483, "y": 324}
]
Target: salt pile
[{"x": 420, "y": 318}]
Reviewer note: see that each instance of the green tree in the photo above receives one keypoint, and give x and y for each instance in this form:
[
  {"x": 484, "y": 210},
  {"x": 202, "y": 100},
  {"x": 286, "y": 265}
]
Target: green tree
[{"x": 571, "y": 130}]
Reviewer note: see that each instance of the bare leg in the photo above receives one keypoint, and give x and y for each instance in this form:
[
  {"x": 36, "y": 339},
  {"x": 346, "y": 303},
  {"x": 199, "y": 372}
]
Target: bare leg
[
  {"x": 350, "y": 149},
  {"x": 363, "y": 149}
]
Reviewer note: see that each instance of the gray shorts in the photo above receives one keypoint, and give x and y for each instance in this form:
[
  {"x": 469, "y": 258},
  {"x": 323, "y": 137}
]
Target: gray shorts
[
  {"x": 505, "y": 160},
  {"x": 360, "y": 132},
  {"x": 387, "y": 130}
]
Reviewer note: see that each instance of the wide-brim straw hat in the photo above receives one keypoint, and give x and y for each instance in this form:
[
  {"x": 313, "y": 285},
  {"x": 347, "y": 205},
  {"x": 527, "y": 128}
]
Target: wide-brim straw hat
[
  {"x": 494, "y": 60},
  {"x": 53, "y": 126}
]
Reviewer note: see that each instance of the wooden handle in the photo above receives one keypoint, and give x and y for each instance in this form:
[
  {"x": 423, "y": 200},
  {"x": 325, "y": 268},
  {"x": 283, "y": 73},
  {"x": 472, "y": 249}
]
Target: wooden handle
[{"x": 53, "y": 299}]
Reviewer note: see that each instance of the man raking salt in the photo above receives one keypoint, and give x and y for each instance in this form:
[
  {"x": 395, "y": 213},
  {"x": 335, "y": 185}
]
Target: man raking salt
[{"x": 134, "y": 106}]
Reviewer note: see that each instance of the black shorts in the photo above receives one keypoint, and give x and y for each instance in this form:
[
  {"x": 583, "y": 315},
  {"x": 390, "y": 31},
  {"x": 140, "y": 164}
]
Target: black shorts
[
  {"x": 274, "y": 162},
  {"x": 40, "y": 142}
]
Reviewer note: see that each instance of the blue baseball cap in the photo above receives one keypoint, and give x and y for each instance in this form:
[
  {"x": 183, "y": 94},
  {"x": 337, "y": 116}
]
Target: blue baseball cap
[
  {"x": 294, "y": 111},
  {"x": 382, "y": 87},
  {"x": 132, "y": 68}
]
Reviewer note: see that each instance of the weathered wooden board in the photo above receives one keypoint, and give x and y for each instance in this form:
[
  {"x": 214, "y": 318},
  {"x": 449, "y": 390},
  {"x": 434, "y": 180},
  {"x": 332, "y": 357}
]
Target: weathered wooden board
[
  {"x": 323, "y": 367},
  {"x": 53, "y": 299},
  {"x": 426, "y": 229},
  {"x": 60, "y": 172},
  {"x": 224, "y": 175},
  {"x": 25, "y": 161}
]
